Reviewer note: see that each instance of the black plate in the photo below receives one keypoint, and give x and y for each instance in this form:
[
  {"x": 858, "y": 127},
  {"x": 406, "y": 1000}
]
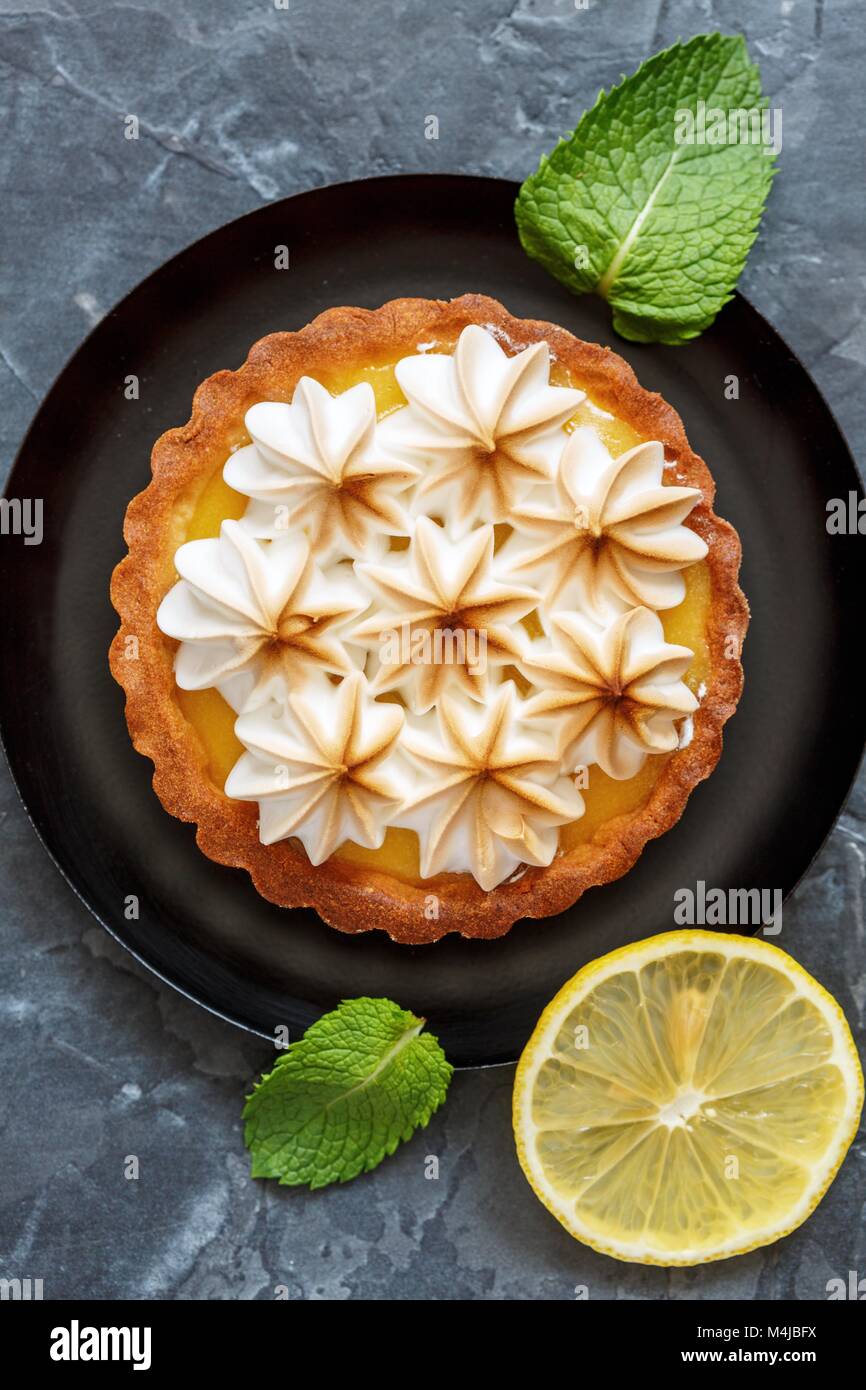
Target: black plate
[{"x": 777, "y": 456}]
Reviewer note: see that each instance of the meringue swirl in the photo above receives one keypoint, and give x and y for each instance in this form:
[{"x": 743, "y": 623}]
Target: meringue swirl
[
  {"x": 317, "y": 466},
  {"x": 608, "y": 533},
  {"x": 254, "y": 619},
  {"x": 468, "y": 520},
  {"x": 449, "y": 587},
  {"x": 616, "y": 692},
  {"x": 318, "y": 767},
  {"x": 483, "y": 426},
  {"x": 491, "y": 792}
]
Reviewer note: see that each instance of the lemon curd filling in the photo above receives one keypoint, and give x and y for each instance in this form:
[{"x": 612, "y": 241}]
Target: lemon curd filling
[{"x": 605, "y": 798}]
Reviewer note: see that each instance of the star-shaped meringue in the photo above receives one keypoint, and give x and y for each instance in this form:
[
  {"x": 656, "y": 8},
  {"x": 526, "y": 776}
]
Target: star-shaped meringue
[
  {"x": 617, "y": 690},
  {"x": 483, "y": 425},
  {"x": 319, "y": 767},
  {"x": 611, "y": 529},
  {"x": 373, "y": 632},
  {"x": 318, "y": 465},
  {"x": 491, "y": 793},
  {"x": 254, "y": 617},
  {"x": 443, "y": 618}
]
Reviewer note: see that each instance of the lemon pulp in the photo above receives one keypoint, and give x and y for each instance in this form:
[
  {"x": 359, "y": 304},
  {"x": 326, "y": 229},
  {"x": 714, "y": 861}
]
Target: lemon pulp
[{"x": 604, "y": 798}]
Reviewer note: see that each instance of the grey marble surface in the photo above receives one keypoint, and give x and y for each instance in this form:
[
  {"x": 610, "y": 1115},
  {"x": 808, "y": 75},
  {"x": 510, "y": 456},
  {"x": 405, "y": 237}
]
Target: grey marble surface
[{"x": 241, "y": 102}]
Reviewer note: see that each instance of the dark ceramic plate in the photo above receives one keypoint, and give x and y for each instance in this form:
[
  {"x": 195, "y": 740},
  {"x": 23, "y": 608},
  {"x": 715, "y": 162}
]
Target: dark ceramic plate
[{"x": 777, "y": 456}]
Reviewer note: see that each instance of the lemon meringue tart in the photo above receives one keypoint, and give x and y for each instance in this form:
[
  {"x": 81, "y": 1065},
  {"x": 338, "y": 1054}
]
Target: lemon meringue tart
[{"x": 427, "y": 620}]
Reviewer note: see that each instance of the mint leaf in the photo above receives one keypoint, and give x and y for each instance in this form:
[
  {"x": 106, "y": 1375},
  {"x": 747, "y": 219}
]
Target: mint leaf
[
  {"x": 658, "y": 226},
  {"x": 361, "y": 1079}
]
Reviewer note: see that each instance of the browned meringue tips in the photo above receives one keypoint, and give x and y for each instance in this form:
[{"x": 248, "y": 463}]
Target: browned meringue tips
[{"x": 427, "y": 620}]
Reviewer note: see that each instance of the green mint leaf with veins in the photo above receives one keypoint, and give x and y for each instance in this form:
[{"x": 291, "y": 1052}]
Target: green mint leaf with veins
[
  {"x": 659, "y": 227},
  {"x": 360, "y": 1081}
]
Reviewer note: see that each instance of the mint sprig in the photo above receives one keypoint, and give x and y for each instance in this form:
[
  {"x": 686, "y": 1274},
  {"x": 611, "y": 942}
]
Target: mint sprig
[
  {"x": 658, "y": 226},
  {"x": 361, "y": 1080}
]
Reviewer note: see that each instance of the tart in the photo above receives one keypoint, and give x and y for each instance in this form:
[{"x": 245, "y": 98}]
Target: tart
[{"x": 427, "y": 620}]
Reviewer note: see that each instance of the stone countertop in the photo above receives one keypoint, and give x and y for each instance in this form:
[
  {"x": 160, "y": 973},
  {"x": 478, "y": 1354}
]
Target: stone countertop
[{"x": 241, "y": 102}]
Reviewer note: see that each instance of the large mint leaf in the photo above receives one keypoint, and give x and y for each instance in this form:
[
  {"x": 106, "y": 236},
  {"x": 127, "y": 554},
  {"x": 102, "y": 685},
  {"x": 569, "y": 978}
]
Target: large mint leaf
[
  {"x": 361, "y": 1079},
  {"x": 659, "y": 227}
]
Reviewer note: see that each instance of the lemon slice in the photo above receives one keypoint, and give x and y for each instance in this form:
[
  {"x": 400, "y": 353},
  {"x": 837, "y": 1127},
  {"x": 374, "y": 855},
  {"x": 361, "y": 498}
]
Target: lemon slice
[{"x": 686, "y": 1098}]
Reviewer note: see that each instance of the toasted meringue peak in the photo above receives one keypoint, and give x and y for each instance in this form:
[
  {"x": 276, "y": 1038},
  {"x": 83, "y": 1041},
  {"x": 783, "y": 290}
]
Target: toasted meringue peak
[
  {"x": 608, "y": 532},
  {"x": 618, "y": 690},
  {"x": 442, "y": 592},
  {"x": 490, "y": 794},
  {"x": 321, "y": 768},
  {"x": 318, "y": 464},
  {"x": 373, "y": 680},
  {"x": 253, "y": 618},
  {"x": 483, "y": 426}
]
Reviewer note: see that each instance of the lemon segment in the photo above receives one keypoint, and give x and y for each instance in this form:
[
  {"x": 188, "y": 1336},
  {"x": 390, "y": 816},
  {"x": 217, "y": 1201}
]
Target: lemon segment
[{"x": 687, "y": 1098}]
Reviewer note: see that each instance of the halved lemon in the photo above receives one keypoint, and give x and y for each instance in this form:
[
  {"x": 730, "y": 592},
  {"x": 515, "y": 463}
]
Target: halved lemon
[{"x": 687, "y": 1098}]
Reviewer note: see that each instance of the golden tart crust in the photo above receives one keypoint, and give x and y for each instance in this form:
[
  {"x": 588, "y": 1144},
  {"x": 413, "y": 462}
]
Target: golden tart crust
[{"x": 350, "y": 896}]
